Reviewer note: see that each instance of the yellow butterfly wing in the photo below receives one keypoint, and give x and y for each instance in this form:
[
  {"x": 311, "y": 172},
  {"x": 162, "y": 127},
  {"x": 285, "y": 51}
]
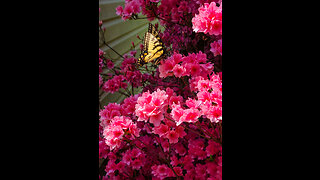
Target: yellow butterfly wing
[{"x": 153, "y": 47}]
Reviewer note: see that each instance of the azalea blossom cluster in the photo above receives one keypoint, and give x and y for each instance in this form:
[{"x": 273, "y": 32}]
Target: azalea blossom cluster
[
  {"x": 178, "y": 137},
  {"x": 191, "y": 65},
  {"x": 117, "y": 129},
  {"x": 209, "y": 19},
  {"x": 169, "y": 126}
]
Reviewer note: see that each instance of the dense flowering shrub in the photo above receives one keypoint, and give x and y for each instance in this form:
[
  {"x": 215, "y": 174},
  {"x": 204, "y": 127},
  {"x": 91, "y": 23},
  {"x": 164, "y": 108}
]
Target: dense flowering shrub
[{"x": 169, "y": 126}]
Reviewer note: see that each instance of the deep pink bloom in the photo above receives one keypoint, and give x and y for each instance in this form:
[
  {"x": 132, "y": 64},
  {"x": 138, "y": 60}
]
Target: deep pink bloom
[
  {"x": 127, "y": 158},
  {"x": 175, "y": 99},
  {"x": 178, "y": 171},
  {"x": 161, "y": 171},
  {"x": 180, "y": 131},
  {"x": 193, "y": 82},
  {"x": 173, "y": 136},
  {"x": 180, "y": 149},
  {"x": 109, "y": 111},
  {"x": 166, "y": 67},
  {"x": 118, "y": 126},
  {"x": 216, "y": 47},
  {"x": 114, "y": 84},
  {"x": 174, "y": 161},
  {"x": 119, "y": 10},
  {"x": 179, "y": 70},
  {"x": 128, "y": 105},
  {"x": 213, "y": 148},
  {"x": 136, "y": 164},
  {"x": 201, "y": 169},
  {"x": 165, "y": 144},
  {"x": 110, "y": 64},
  {"x": 161, "y": 130},
  {"x": 177, "y": 58},
  {"x": 193, "y": 69}
]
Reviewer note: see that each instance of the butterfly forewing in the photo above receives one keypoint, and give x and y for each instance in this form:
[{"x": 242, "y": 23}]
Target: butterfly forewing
[{"x": 153, "y": 47}]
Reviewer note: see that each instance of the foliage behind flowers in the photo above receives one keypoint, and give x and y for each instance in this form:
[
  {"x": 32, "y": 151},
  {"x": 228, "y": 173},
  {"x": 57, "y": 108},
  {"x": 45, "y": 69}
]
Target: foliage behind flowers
[{"x": 170, "y": 124}]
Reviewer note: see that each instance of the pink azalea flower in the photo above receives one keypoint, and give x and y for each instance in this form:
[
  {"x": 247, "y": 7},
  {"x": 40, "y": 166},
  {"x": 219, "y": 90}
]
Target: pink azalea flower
[
  {"x": 119, "y": 10},
  {"x": 161, "y": 130},
  {"x": 152, "y": 106},
  {"x": 192, "y": 103},
  {"x": 216, "y": 47},
  {"x": 178, "y": 171},
  {"x": 179, "y": 70},
  {"x": 177, "y": 113},
  {"x": 173, "y": 136},
  {"x": 190, "y": 115},
  {"x": 136, "y": 164},
  {"x": 180, "y": 149},
  {"x": 175, "y": 99},
  {"x": 166, "y": 68},
  {"x": 174, "y": 161},
  {"x": 177, "y": 58},
  {"x": 194, "y": 69},
  {"x": 180, "y": 131},
  {"x": 209, "y": 19},
  {"x": 126, "y": 158},
  {"x": 201, "y": 169},
  {"x": 162, "y": 170},
  {"x": 204, "y": 85}
]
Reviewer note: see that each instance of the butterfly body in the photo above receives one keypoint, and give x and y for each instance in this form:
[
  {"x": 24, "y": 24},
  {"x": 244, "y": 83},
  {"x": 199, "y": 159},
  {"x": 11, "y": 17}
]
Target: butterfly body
[{"x": 153, "y": 49}]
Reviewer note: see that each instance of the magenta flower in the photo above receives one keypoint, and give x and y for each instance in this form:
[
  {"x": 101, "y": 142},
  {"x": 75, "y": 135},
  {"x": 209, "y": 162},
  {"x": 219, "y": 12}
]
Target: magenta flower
[
  {"x": 161, "y": 130},
  {"x": 216, "y": 47},
  {"x": 119, "y": 10},
  {"x": 173, "y": 136},
  {"x": 209, "y": 19},
  {"x": 179, "y": 70}
]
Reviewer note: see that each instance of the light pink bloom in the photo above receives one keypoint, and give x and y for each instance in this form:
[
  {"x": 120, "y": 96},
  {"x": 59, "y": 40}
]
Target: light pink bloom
[
  {"x": 190, "y": 115},
  {"x": 152, "y": 106},
  {"x": 209, "y": 19}
]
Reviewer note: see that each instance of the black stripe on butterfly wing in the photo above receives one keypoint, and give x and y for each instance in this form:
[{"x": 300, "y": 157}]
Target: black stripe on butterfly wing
[
  {"x": 151, "y": 58},
  {"x": 157, "y": 45},
  {"x": 154, "y": 40},
  {"x": 158, "y": 60}
]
